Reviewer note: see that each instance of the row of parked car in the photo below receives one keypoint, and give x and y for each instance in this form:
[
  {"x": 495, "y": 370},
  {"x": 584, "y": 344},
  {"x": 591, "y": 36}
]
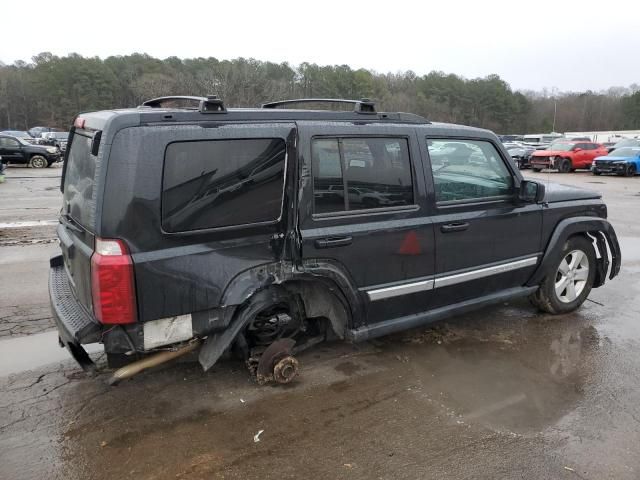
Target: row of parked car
[
  {"x": 40, "y": 147},
  {"x": 570, "y": 154}
]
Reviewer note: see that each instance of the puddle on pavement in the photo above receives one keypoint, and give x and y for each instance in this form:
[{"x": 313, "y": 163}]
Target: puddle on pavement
[
  {"x": 504, "y": 370},
  {"x": 34, "y": 351}
]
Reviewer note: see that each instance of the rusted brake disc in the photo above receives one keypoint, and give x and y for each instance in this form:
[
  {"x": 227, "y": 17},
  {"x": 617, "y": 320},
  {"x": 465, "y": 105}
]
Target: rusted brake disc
[{"x": 276, "y": 363}]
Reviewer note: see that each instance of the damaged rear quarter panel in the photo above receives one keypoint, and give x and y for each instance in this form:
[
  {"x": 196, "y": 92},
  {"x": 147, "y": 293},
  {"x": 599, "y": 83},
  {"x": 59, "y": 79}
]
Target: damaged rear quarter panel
[{"x": 182, "y": 273}]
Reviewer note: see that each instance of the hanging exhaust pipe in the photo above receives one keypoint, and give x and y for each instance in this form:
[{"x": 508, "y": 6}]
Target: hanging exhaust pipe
[{"x": 136, "y": 367}]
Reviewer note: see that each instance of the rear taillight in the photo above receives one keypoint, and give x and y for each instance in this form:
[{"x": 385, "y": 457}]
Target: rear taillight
[{"x": 112, "y": 287}]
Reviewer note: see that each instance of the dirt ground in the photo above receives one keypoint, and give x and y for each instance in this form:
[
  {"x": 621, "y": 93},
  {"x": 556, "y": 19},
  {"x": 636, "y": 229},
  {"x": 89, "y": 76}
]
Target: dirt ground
[{"x": 502, "y": 393}]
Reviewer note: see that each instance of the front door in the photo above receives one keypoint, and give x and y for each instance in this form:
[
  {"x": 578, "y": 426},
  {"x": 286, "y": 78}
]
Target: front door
[
  {"x": 10, "y": 150},
  {"x": 486, "y": 241},
  {"x": 365, "y": 213}
]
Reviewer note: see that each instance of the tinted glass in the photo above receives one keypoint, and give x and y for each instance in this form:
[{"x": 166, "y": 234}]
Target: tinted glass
[
  {"x": 328, "y": 187},
  {"x": 9, "y": 142},
  {"x": 377, "y": 173},
  {"x": 79, "y": 181},
  {"x": 219, "y": 183},
  {"x": 468, "y": 170}
]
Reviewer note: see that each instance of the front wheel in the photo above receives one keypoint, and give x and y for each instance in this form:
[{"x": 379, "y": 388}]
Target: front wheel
[
  {"x": 536, "y": 169},
  {"x": 596, "y": 172},
  {"x": 569, "y": 282},
  {"x": 38, "y": 161},
  {"x": 565, "y": 166}
]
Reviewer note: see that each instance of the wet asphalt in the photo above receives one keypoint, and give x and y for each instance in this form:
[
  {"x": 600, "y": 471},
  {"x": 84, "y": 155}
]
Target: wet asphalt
[{"x": 505, "y": 392}]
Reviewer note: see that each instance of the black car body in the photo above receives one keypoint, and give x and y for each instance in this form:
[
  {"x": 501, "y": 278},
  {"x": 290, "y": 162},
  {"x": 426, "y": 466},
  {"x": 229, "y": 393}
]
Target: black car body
[
  {"x": 15, "y": 150},
  {"x": 247, "y": 227}
]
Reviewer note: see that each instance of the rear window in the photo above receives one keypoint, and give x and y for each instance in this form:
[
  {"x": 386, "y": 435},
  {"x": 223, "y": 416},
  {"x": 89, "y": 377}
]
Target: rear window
[
  {"x": 79, "y": 181},
  {"x": 222, "y": 183}
]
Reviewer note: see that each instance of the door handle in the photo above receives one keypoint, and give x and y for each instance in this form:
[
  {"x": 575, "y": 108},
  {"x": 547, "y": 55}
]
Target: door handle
[
  {"x": 331, "y": 242},
  {"x": 454, "y": 227}
]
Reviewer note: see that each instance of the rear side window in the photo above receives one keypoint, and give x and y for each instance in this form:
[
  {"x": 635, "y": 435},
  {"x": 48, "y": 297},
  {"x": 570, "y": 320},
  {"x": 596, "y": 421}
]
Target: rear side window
[
  {"x": 79, "y": 181},
  {"x": 222, "y": 183},
  {"x": 360, "y": 173},
  {"x": 468, "y": 170}
]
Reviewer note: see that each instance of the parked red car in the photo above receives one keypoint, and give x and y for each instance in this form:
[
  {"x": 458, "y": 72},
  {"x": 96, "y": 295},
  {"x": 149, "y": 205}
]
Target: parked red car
[{"x": 567, "y": 156}]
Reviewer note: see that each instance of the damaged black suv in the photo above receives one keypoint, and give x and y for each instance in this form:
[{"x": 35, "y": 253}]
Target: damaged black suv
[{"x": 189, "y": 226}]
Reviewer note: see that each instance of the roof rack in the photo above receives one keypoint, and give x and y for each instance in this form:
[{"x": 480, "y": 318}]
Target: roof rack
[
  {"x": 208, "y": 104},
  {"x": 364, "y": 105}
]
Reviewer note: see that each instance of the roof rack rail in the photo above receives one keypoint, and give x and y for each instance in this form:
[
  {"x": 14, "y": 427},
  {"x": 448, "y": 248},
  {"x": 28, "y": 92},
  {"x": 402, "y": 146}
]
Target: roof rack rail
[
  {"x": 364, "y": 105},
  {"x": 208, "y": 104}
]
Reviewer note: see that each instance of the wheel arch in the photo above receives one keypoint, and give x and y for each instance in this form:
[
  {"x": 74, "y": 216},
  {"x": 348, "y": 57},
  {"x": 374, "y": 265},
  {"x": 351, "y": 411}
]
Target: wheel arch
[
  {"x": 324, "y": 289},
  {"x": 599, "y": 231}
]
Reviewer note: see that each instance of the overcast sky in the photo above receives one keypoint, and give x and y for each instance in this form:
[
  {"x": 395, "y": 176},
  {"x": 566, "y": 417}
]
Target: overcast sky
[{"x": 570, "y": 45}]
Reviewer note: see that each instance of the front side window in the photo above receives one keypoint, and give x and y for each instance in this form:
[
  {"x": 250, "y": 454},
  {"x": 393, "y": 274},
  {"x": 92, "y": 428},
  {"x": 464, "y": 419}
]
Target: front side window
[
  {"x": 222, "y": 183},
  {"x": 361, "y": 173},
  {"x": 9, "y": 142},
  {"x": 468, "y": 170}
]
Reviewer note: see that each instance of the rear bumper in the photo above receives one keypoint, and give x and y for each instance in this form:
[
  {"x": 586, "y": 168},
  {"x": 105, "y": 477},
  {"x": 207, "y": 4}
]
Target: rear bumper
[{"x": 74, "y": 323}]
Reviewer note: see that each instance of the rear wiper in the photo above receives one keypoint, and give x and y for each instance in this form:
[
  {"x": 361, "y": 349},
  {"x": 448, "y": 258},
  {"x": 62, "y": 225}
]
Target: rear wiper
[{"x": 68, "y": 222}]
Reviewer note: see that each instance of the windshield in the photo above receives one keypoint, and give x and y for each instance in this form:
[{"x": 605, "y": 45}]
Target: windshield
[
  {"x": 625, "y": 152},
  {"x": 562, "y": 146},
  {"x": 628, "y": 142}
]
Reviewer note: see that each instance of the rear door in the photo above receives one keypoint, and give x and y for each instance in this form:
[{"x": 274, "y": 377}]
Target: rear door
[
  {"x": 364, "y": 211},
  {"x": 77, "y": 220},
  {"x": 485, "y": 240}
]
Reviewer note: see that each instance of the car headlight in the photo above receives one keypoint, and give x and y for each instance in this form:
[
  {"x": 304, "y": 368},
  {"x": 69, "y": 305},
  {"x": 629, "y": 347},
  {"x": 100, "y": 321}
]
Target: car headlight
[
  {"x": 552, "y": 159},
  {"x": 52, "y": 150}
]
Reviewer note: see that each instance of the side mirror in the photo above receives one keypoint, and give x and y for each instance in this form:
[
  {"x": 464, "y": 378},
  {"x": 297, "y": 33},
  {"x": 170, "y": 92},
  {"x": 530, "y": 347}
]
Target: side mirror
[
  {"x": 577, "y": 149},
  {"x": 531, "y": 192}
]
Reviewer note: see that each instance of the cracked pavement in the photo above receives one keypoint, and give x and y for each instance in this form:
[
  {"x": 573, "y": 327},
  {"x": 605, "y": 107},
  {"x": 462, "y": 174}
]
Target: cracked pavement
[{"x": 504, "y": 392}]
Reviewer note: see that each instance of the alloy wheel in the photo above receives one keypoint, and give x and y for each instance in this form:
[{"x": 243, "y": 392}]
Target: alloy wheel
[{"x": 572, "y": 275}]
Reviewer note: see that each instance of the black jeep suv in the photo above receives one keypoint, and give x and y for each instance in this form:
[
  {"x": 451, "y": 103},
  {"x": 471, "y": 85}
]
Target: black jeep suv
[
  {"x": 263, "y": 231},
  {"x": 16, "y": 150}
]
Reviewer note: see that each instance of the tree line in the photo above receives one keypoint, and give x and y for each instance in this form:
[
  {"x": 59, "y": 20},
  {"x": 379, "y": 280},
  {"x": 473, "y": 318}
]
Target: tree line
[{"x": 50, "y": 90}]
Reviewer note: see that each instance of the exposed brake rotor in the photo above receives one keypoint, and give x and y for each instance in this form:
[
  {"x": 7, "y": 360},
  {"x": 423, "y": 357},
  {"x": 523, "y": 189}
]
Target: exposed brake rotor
[{"x": 276, "y": 363}]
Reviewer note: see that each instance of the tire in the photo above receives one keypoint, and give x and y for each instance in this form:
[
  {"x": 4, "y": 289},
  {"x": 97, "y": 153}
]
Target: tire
[
  {"x": 565, "y": 166},
  {"x": 564, "y": 289},
  {"x": 596, "y": 172},
  {"x": 630, "y": 171},
  {"x": 38, "y": 161},
  {"x": 536, "y": 169}
]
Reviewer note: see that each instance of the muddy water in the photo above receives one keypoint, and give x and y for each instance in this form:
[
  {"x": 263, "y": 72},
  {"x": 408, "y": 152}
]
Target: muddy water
[
  {"x": 501, "y": 390},
  {"x": 34, "y": 351}
]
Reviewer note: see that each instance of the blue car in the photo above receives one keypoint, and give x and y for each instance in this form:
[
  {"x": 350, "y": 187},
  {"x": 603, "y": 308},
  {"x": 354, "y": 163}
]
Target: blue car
[{"x": 622, "y": 161}]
